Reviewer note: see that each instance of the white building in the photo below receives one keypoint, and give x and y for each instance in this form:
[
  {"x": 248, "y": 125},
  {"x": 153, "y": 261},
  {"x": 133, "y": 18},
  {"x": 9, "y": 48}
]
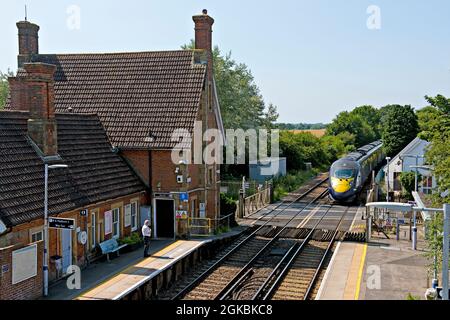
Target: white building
[{"x": 412, "y": 155}]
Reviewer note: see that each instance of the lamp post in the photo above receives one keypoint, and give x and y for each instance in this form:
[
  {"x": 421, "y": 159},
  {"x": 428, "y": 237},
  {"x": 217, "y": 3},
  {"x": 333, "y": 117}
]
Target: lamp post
[
  {"x": 406, "y": 207},
  {"x": 46, "y": 240},
  {"x": 388, "y": 159}
]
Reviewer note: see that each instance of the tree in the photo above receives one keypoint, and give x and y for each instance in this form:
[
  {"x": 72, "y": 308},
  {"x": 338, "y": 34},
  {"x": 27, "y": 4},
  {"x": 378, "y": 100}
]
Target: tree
[
  {"x": 4, "y": 87},
  {"x": 353, "y": 123},
  {"x": 301, "y": 148},
  {"x": 408, "y": 180},
  {"x": 300, "y": 126},
  {"x": 372, "y": 116},
  {"x": 435, "y": 126},
  {"x": 400, "y": 127},
  {"x": 240, "y": 99},
  {"x": 335, "y": 147}
]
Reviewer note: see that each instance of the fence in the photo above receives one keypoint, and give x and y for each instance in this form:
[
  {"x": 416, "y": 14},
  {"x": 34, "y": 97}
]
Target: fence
[
  {"x": 204, "y": 227},
  {"x": 199, "y": 227},
  {"x": 233, "y": 188},
  {"x": 251, "y": 204}
]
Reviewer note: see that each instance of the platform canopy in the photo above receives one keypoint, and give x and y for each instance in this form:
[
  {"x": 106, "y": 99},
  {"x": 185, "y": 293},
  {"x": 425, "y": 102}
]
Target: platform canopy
[{"x": 394, "y": 206}]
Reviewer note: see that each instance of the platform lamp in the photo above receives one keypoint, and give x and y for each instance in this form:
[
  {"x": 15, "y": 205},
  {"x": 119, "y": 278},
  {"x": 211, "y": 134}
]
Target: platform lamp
[
  {"x": 46, "y": 240},
  {"x": 406, "y": 207},
  {"x": 388, "y": 159}
]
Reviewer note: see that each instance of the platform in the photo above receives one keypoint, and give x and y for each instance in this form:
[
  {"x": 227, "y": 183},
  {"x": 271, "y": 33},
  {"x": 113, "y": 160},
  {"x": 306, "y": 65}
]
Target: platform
[
  {"x": 384, "y": 269},
  {"x": 131, "y": 278}
]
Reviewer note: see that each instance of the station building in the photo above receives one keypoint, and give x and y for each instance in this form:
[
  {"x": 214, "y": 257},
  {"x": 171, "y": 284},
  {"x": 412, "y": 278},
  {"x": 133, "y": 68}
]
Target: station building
[
  {"x": 405, "y": 161},
  {"x": 97, "y": 189},
  {"x": 141, "y": 99}
]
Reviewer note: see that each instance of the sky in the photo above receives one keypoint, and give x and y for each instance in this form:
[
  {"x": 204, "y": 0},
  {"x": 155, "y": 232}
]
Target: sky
[{"x": 312, "y": 59}]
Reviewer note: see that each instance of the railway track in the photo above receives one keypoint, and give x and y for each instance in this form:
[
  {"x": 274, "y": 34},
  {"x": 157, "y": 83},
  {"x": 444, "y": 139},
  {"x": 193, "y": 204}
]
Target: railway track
[
  {"x": 212, "y": 279},
  {"x": 298, "y": 272}
]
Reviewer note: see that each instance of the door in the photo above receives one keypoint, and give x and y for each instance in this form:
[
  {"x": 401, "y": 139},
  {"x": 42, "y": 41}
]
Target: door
[
  {"x": 165, "y": 219},
  {"x": 66, "y": 247},
  {"x": 144, "y": 215}
]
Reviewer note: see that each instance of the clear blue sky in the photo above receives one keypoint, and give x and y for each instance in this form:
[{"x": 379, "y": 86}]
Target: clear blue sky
[{"x": 311, "y": 58}]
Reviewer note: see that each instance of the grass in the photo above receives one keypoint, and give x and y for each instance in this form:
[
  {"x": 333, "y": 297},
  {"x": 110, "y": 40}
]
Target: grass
[
  {"x": 412, "y": 297},
  {"x": 222, "y": 229},
  {"x": 291, "y": 182}
]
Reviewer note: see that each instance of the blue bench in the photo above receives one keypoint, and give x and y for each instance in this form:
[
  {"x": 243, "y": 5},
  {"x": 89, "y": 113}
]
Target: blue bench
[{"x": 110, "y": 246}]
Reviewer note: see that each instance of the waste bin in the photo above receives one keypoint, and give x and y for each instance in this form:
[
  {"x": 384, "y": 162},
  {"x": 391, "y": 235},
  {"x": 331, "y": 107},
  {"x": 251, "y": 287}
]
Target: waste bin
[{"x": 57, "y": 261}]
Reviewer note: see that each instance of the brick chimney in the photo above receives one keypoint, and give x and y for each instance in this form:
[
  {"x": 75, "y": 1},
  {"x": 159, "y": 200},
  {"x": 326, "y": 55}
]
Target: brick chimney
[
  {"x": 203, "y": 37},
  {"x": 41, "y": 124},
  {"x": 28, "y": 41}
]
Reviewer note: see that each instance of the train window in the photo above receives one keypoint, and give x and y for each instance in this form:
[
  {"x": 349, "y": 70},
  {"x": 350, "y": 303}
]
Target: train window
[
  {"x": 344, "y": 169},
  {"x": 344, "y": 173}
]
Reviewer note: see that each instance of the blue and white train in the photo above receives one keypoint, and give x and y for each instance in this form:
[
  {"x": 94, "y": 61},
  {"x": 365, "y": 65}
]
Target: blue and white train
[{"x": 348, "y": 174}]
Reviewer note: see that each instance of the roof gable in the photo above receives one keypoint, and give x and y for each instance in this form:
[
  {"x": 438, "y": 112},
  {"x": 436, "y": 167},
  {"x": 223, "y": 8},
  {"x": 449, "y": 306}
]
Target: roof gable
[
  {"x": 95, "y": 173},
  {"x": 141, "y": 98}
]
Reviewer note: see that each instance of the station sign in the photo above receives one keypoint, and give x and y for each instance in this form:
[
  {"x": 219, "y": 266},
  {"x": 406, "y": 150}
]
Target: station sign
[
  {"x": 184, "y": 197},
  {"x": 61, "y": 223}
]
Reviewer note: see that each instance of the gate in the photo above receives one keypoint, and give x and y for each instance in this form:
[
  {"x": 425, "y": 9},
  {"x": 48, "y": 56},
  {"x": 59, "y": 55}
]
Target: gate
[
  {"x": 199, "y": 227},
  {"x": 255, "y": 202}
]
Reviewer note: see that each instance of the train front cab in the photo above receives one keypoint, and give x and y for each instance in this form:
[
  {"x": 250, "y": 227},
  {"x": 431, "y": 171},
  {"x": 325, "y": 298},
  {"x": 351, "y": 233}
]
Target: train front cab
[{"x": 343, "y": 183}]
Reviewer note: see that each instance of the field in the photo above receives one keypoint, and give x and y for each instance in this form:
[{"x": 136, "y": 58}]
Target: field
[{"x": 318, "y": 133}]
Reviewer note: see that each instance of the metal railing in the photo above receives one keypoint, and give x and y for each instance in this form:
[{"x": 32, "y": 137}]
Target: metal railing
[
  {"x": 199, "y": 227},
  {"x": 256, "y": 202},
  {"x": 204, "y": 227}
]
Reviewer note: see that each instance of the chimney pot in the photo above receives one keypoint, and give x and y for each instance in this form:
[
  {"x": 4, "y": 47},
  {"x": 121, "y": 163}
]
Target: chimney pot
[
  {"x": 40, "y": 89},
  {"x": 203, "y": 37},
  {"x": 28, "y": 38}
]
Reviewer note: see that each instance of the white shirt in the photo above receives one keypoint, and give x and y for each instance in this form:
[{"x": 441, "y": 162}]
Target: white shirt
[{"x": 146, "y": 231}]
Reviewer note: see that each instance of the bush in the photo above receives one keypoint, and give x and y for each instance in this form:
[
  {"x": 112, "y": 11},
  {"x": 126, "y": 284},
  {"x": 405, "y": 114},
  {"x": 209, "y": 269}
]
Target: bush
[
  {"x": 227, "y": 205},
  {"x": 130, "y": 240},
  {"x": 408, "y": 183},
  {"x": 291, "y": 182}
]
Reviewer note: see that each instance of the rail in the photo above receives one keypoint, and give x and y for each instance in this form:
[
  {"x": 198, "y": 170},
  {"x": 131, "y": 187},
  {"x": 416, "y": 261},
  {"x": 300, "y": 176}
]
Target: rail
[
  {"x": 280, "y": 277},
  {"x": 228, "y": 289},
  {"x": 191, "y": 285}
]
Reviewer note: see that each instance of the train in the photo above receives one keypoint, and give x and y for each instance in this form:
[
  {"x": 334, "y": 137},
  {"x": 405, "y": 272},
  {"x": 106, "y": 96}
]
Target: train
[{"x": 349, "y": 173}]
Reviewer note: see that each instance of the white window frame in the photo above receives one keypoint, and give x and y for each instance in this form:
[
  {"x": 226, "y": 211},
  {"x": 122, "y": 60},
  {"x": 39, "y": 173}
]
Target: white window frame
[
  {"x": 93, "y": 234},
  {"x": 41, "y": 231},
  {"x": 427, "y": 189},
  {"x": 134, "y": 218},
  {"x": 116, "y": 235}
]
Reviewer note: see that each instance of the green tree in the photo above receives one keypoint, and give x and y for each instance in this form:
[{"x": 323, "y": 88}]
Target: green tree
[
  {"x": 372, "y": 116},
  {"x": 301, "y": 148},
  {"x": 408, "y": 180},
  {"x": 240, "y": 99},
  {"x": 4, "y": 87},
  {"x": 335, "y": 147},
  {"x": 400, "y": 127},
  {"x": 435, "y": 126},
  {"x": 353, "y": 123}
]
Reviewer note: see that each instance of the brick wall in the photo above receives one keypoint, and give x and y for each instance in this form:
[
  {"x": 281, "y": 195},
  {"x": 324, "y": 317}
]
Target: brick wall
[
  {"x": 20, "y": 235},
  {"x": 139, "y": 161},
  {"x": 26, "y": 290}
]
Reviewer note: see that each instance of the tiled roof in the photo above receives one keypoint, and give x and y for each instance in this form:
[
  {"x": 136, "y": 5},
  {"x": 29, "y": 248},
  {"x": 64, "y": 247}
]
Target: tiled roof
[
  {"x": 136, "y": 95},
  {"x": 95, "y": 173}
]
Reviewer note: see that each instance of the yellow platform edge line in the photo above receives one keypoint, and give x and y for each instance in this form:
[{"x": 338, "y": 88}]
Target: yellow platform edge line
[
  {"x": 165, "y": 249},
  {"x": 360, "y": 273}
]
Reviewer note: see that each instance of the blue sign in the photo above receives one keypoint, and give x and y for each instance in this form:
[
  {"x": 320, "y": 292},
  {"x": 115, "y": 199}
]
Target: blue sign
[{"x": 184, "y": 197}]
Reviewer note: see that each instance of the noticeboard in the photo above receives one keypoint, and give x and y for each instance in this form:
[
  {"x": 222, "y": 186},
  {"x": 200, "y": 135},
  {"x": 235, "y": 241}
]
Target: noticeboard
[
  {"x": 61, "y": 223},
  {"x": 24, "y": 264}
]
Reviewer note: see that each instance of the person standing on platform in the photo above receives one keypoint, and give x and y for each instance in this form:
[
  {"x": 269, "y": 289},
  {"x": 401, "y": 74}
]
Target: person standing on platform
[{"x": 146, "y": 233}]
